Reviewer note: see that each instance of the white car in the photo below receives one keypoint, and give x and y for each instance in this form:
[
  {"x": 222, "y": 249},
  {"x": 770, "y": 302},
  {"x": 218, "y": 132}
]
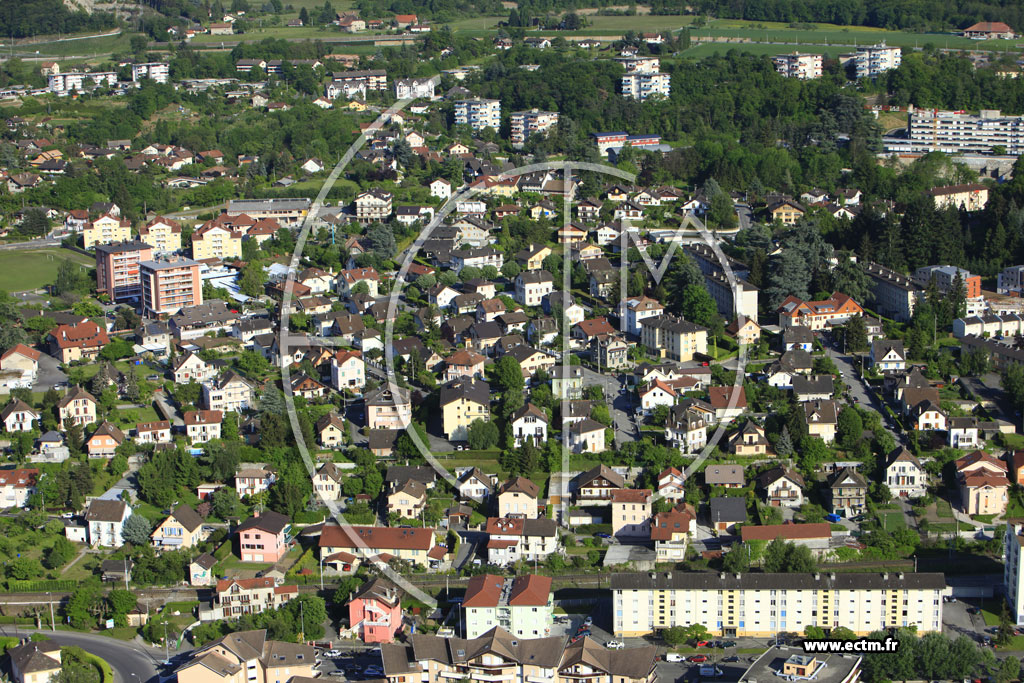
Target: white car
[
  {"x": 674, "y": 657},
  {"x": 331, "y": 654},
  {"x": 614, "y": 645}
]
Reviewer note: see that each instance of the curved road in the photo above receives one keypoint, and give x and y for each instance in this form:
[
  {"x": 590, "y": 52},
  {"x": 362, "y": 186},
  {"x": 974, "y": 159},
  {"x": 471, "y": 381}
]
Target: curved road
[{"x": 131, "y": 662}]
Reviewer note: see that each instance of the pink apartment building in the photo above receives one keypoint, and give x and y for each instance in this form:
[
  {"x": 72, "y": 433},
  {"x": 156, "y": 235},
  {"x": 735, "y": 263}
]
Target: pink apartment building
[{"x": 375, "y": 611}]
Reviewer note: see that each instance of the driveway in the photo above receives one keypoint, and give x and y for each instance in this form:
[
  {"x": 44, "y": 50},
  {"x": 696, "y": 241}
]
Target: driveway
[
  {"x": 167, "y": 408},
  {"x": 850, "y": 367},
  {"x": 49, "y": 373},
  {"x": 620, "y": 404}
]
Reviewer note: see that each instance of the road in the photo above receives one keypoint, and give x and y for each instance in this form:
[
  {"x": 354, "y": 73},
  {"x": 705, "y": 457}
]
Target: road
[
  {"x": 131, "y": 662},
  {"x": 37, "y": 243},
  {"x": 850, "y": 367},
  {"x": 620, "y": 404},
  {"x": 166, "y": 408}
]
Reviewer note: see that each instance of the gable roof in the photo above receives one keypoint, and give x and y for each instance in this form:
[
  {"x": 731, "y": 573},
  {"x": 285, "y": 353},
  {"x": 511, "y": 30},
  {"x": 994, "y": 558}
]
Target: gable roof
[
  {"x": 268, "y": 520},
  {"x": 520, "y": 485}
]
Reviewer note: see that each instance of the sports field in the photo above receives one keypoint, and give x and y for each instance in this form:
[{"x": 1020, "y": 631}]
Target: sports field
[{"x": 26, "y": 269}]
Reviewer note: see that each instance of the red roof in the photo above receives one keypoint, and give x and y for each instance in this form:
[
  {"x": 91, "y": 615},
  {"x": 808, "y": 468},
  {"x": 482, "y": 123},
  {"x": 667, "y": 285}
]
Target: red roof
[
  {"x": 376, "y": 538},
  {"x": 26, "y": 351},
  {"x": 19, "y": 478},
  {"x": 198, "y": 417},
  {"x": 484, "y": 590},
  {"x": 500, "y": 545},
  {"x": 83, "y": 334},
  {"x": 641, "y": 496},
  {"x": 722, "y": 397},
  {"x": 769, "y": 532},
  {"x": 248, "y": 584},
  {"x": 989, "y": 27},
  {"x": 530, "y": 590}
]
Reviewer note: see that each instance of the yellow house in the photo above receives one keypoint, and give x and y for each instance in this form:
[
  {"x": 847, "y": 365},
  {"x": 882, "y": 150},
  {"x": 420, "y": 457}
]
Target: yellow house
[
  {"x": 248, "y": 657},
  {"x": 163, "y": 234},
  {"x": 532, "y": 258},
  {"x": 216, "y": 241},
  {"x": 411, "y": 545},
  {"x": 501, "y": 188},
  {"x": 356, "y": 105},
  {"x": 747, "y": 333},
  {"x": 35, "y": 662},
  {"x": 183, "y": 528},
  {"x": 106, "y": 230},
  {"x": 462, "y": 402},
  {"x": 786, "y": 212},
  {"x": 408, "y": 499}
]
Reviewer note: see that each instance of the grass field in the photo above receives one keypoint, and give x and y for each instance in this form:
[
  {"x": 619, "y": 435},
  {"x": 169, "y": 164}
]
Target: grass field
[
  {"x": 892, "y": 519},
  {"x": 303, "y": 33},
  {"x": 85, "y": 47},
  {"x": 28, "y": 269}
]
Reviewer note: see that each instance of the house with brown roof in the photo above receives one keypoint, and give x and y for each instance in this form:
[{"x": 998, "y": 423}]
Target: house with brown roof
[
  {"x": 233, "y": 598},
  {"x": 727, "y": 476},
  {"x": 728, "y": 402},
  {"x": 183, "y": 528},
  {"x": 264, "y": 537},
  {"x": 247, "y": 656},
  {"x": 104, "y": 521},
  {"x": 77, "y": 341},
  {"x": 408, "y": 499},
  {"x": 345, "y": 544},
  {"x": 817, "y": 536},
  {"x": 597, "y": 484},
  {"x": 782, "y": 487},
  {"x": 631, "y": 512},
  {"x": 35, "y": 661},
  {"x": 821, "y": 418},
  {"x": 848, "y": 492},
  {"x": 518, "y": 497},
  {"x": 513, "y": 539},
  {"x": 203, "y": 425},
  {"x": 103, "y": 442},
  {"x": 748, "y": 440},
  {"x": 522, "y": 604},
  {"x": 78, "y": 406},
  {"x": 989, "y": 30},
  {"x": 671, "y": 531}
]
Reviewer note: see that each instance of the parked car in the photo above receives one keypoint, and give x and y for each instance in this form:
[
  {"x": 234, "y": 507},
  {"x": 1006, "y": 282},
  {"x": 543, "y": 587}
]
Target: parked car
[
  {"x": 710, "y": 671},
  {"x": 732, "y": 658},
  {"x": 674, "y": 657},
  {"x": 699, "y": 659},
  {"x": 331, "y": 654},
  {"x": 614, "y": 645},
  {"x": 703, "y": 643},
  {"x": 729, "y": 643},
  {"x": 601, "y": 534}
]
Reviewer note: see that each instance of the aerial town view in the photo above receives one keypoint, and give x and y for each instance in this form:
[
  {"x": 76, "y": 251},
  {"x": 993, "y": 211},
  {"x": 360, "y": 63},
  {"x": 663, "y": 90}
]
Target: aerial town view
[{"x": 531, "y": 341}]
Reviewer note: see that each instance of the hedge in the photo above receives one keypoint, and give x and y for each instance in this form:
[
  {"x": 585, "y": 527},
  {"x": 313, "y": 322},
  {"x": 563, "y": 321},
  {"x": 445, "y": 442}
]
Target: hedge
[{"x": 40, "y": 585}]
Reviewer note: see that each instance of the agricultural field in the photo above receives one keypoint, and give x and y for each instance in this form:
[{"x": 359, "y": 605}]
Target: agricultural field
[
  {"x": 27, "y": 269},
  {"x": 76, "y": 48}
]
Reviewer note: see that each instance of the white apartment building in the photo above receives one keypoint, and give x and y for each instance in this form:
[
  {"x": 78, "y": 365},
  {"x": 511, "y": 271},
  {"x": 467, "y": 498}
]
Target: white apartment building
[
  {"x": 478, "y": 114},
  {"x": 523, "y": 605},
  {"x": 157, "y": 71},
  {"x": 895, "y": 293},
  {"x": 952, "y": 132},
  {"x": 762, "y": 605},
  {"x": 641, "y": 85},
  {"x": 797, "y": 65},
  {"x": 1013, "y": 547},
  {"x": 523, "y": 124},
  {"x": 406, "y": 88},
  {"x": 78, "y": 80},
  {"x": 877, "y": 59}
]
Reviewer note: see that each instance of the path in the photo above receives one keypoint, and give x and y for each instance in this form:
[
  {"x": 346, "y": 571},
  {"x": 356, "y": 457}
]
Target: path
[{"x": 72, "y": 563}]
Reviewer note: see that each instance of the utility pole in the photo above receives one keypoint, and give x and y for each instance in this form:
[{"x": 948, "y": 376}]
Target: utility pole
[
  {"x": 126, "y": 573},
  {"x": 302, "y": 622},
  {"x": 49, "y": 598}
]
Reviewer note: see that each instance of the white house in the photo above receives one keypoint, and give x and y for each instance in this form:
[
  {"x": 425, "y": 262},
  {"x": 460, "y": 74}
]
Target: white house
[
  {"x": 348, "y": 370},
  {"x": 904, "y": 475},
  {"x": 105, "y": 521},
  {"x": 529, "y": 422},
  {"x": 887, "y": 354},
  {"x": 441, "y": 188}
]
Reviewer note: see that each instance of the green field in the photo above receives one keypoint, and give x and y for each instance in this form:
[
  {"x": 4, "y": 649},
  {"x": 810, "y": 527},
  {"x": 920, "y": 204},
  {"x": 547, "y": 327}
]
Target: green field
[
  {"x": 892, "y": 519},
  {"x": 86, "y": 47},
  {"x": 303, "y": 33},
  {"x": 709, "y": 49},
  {"x": 27, "y": 269}
]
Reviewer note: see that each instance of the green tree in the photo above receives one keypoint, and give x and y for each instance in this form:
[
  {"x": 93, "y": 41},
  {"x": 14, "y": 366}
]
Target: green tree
[
  {"x": 508, "y": 374},
  {"x": 850, "y": 427},
  {"x": 674, "y": 636},
  {"x": 482, "y": 434},
  {"x": 1007, "y": 629},
  {"x": 1009, "y": 670},
  {"x": 136, "y": 530}
]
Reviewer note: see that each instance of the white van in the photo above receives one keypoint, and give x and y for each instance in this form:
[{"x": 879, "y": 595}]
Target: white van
[{"x": 674, "y": 657}]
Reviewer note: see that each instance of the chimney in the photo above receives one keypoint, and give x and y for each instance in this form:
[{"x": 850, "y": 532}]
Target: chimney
[
  {"x": 900, "y": 576},
  {"x": 885, "y": 575},
  {"x": 668, "y": 576},
  {"x": 738, "y": 576},
  {"x": 832, "y": 576},
  {"x": 721, "y": 576}
]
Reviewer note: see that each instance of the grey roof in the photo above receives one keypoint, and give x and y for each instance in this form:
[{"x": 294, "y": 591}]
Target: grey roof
[
  {"x": 765, "y": 581},
  {"x": 728, "y": 509},
  {"x": 33, "y": 656},
  {"x": 834, "y": 668},
  {"x": 474, "y": 390},
  {"x": 106, "y": 511},
  {"x": 602, "y": 470},
  {"x": 401, "y": 473},
  {"x": 848, "y": 477},
  {"x": 206, "y": 561},
  {"x": 815, "y": 384},
  {"x": 723, "y": 474},
  {"x": 275, "y": 204},
  {"x": 798, "y": 334},
  {"x": 187, "y": 517},
  {"x": 271, "y": 521}
]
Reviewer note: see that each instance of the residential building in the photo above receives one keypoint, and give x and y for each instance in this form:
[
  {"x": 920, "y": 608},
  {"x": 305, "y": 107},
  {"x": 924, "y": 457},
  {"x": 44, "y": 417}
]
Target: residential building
[
  {"x": 407, "y": 500},
  {"x": 895, "y": 294},
  {"x": 103, "y": 442},
  {"x": 377, "y": 543},
  {"x": 671, "y": 531},
  {"x": 749, "y": 440},
  {"x": 966, "y": 197},
  {"x": 191, "y": 368},
  {"x": 388, "y": 407},
  {"x": 252, "y": 478},
  {"x": 848, "y": 492},
  {"x": 888, "y": 355},
  {"x": 745, "y": 609},
  {"x": 348, "y": 370},
  {"x": 726, "y": 513},
  {"x": 77, "y": 341},
  {"x": 478, "y": 114},
  {"x": 797, "y": 65},
  {"x": 631, "y": 513},
  {"x": 248, "y": 657},
  {"x": 232, "y": 393},
  {"x": 117, "y": 269},
  {"x": 16, "y": 486},
  {"x": 162, "y": 234},
  {"x": 153, "y": 432},
  {"x": 686, "y": 429},
  {"x": 957, "y": 132},
  {"x": 233, "y": 598},
  {"x": 518, "y": 498},
  {"x": 640, "y": 85},
  {"x": 989, "y": 30},
  {"x": 529, "y": 422},
  {"x": 1013, "y": 571},
  {"x": 963, "y": 432},
  {"x": 945, "y": 278},
  {"x": 522, "y": 605},
  {"x": 35, "y": 661},
  {"x": 106, "y": 229},
  {"x": 104, "y": 521},
  {"x": 513, "y": 539},
  {"x": 782, "y": 487},
  {"x": 373, "y": 206},
  {"x": 523, "y": 124},
  {"x": 203, "y": 425},
  {"x": 874, "y": 60},
  {"x": 818, "y": 315},
  {"x": 904, "y": 475},
  {"x": 215, "y": 241},
  {"x": 155, "y": 71},
  {"x": 264, "y": 537},
  {"x": 375, "y": 610},
  {"x": 728, "y": 402},
  {"x": 671, "y": 484},
  {"x": 462, "y": 402},
  {"x": 18, "y": 416},
  {"x": 585, "y": 436},
  {"x": 78, "y": 406},
  {"x": 726, "y": 476},
  {"x": 674, "y": 338},
  {"x": 821, "y": 418},
  {"x": 183, "y": 528},
  {"x": 531, "y": 286},
  {"x": 567, "y": 382},
  {"x": 596, "y": 485},
  {"x": 287, "y": 211},
  {"x": 411, "y": 88},
  {"x": 169, "y": 286}
]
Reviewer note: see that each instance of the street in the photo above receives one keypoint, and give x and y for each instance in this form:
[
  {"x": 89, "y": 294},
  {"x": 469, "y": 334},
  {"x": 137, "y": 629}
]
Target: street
[
  {"x": 620, "y": 404},
  {"x": 131, "y": 662}
]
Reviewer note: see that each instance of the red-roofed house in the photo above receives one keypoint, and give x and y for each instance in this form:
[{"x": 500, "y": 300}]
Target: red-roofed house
[
  {"x": 989, "y": 30},
  {"x": 523, "y": 605},
  {"x": 671, "y": 531},
  {"x": 818, "y": 315},
  {"x": 405, "y": 20},
  {"x": 235, "y": 597},
  {"x": 78, "y": 341},
  {"x": 411, "y": 545},
  {"x": 728, "y": 402},
  {"x": 20, "y": 357},
  {"x": 16, "y": 486}
]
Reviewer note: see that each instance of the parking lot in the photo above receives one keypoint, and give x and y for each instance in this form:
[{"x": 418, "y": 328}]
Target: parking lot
[{"x": 354, "y": 665}]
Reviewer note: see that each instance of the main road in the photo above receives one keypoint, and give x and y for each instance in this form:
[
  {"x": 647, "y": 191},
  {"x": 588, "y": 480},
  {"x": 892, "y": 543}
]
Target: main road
[{"x": 131, "y": 662}]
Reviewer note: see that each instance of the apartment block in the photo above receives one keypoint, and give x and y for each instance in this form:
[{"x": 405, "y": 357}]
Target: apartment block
[
  {"x": 762, "y": 605},
  {"x": 945, "y": 276},
  {"x": 641, "y": 85},
  {"x": 235, "y": 597},
  {"x": 797, "y": 65},
  {"x": 285, "y": 210},
  {"x": 673, "y": 338},
  {"x": 106, "y": 229},
  {"x": 478, "y": 114},
  {"x": 1013, "y": 577},
  {"x": 523, "y": 605},
  {"x": 895, "y": 293},
  {"x": 523, "y": 124},
  {"x": 79, "y": 80},
  {"x": 877, "y": 59},
  {"x": 169, "y": 286},
  {"x": 117, "y": 269},
  {"x": 1011, "y": 281},
  {"x": 157, "y": 71},
  {"x": 954, "y": 132},
  {"x": 163, "y": 234}
]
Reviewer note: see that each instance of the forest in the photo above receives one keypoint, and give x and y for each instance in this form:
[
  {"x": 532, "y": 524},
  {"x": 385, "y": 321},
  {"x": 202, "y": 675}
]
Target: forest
[{"x": 26, "y": 18}]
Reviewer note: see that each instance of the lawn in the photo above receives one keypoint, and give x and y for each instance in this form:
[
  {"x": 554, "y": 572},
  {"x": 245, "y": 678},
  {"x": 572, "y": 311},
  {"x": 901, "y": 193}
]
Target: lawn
[
  {"x": 943, "y": 510},
  {"x": 303, "y": 33},
  {"x": 29, "y": 269},
  {"x": 892, "y": 520},
  {"x": 85, "y": 47},
  {"x": 709, "y": 49}
]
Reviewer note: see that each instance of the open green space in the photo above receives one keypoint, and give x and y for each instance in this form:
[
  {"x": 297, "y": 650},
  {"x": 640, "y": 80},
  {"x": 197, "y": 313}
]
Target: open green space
[
  {"x": 892, "y": 519},
  {"x": 303, "y": 33},
  {"x": 86, "y": 47},
  {"x": 27, "y": 269}
]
